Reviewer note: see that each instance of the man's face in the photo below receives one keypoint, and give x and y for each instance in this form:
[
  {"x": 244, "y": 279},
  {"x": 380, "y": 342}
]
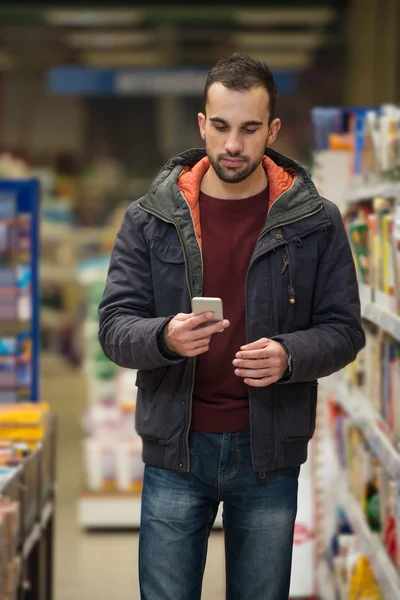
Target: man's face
[{"x": 236, "y": 130}]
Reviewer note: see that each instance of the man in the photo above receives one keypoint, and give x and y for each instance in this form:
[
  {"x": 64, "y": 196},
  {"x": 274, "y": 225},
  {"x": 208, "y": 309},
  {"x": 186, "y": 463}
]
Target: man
[{"x": 226, "y": 417}]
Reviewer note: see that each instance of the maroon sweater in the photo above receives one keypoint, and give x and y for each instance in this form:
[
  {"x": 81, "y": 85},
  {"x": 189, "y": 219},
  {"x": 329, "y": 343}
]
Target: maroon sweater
[{"x": 229, "y": 232}]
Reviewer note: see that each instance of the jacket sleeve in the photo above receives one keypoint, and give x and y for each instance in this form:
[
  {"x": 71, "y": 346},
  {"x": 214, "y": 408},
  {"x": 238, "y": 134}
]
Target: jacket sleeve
[
  {"x": 336, "y": 334},
  {"x": 129, "y": 333}
]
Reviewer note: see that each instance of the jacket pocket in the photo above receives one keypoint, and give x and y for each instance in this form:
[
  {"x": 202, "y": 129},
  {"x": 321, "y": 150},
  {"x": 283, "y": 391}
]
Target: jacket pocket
[
  {"x": 148, "y": 423},
  {"x": 295, "y": 410},
  {"x": 168, "y": 252},
  {"x": 168, "y": 278},
  {"x": 151, "y": 379}
]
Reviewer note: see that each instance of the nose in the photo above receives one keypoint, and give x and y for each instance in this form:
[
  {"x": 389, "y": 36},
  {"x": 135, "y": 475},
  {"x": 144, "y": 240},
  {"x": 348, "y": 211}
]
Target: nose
[{"x": 233, "y": 144}]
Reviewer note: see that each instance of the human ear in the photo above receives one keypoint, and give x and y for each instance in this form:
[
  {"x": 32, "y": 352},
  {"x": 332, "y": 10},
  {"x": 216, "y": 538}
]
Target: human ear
[
  {"x": 273, "y": 131},
  {"x": 201, "y": 119}
]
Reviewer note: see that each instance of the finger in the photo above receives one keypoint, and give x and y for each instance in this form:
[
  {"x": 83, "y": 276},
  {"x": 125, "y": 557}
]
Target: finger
[
  {"x": 196, "y": 320},
  {"x": 199, "y": 344},
  {"x": 254, "y": 373},
  {"x": 262, "y": 343},
  {"x": 256, "y": 364},
  {"x": 202, "y": 349},
  {"x": 208, "y": 330},
  {"x": 199, "y": 351},
  {"x": 266, "y": 381},
  {"x": 262, "y": 353},
  {"x": 272, "y": 350}
]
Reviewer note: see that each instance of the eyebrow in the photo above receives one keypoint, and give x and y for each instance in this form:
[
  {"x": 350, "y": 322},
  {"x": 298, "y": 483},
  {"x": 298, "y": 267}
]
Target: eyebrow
[{"x": 253, "y": 122}]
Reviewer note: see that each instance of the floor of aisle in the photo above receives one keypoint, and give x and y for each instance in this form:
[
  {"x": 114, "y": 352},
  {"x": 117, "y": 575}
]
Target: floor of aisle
[{"x": 96, "y": 566}]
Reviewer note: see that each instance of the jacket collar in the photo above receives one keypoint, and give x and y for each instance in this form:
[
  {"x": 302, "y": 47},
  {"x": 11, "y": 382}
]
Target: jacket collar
[{"x": 294, "y": 194}]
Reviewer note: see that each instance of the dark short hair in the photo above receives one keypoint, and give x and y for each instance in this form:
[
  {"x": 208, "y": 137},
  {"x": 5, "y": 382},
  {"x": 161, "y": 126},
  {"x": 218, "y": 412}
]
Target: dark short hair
[{"x": 241, "y": 72}]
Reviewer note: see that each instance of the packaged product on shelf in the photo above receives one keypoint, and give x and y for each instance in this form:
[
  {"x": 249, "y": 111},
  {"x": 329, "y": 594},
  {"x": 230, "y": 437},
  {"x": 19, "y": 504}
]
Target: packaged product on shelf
[
  {"x": 390, "y": 526},
  {"x": 353, "y": 574},
  {"x": 100, "y": 464},
  {"x": 362, "y": 581},
  {"x": 112, "y": 449},
  {"x": 396, "y": 251},
  {"x": 24, "y": 422},
  {"x": 130, "y": 467},
  {"x": 359, "y": 240}
]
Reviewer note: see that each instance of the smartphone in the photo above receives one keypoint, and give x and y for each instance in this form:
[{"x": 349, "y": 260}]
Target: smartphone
[{"x": 214, "y": 305}]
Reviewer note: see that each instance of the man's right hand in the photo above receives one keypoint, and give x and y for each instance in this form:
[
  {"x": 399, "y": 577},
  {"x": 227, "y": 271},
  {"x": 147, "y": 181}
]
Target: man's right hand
[{"x": 187, "y": 335}]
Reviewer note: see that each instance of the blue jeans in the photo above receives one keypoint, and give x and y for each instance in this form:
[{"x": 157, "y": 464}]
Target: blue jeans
[{"x": 178, "y": 512}]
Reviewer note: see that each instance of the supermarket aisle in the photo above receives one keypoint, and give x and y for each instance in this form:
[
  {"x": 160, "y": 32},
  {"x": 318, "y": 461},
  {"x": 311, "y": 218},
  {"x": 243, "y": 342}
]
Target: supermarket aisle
[{"x": 96, "y": 566}]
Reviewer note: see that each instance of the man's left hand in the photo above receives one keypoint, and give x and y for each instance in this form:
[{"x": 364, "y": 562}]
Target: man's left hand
[{"x": 261, "y": 363}]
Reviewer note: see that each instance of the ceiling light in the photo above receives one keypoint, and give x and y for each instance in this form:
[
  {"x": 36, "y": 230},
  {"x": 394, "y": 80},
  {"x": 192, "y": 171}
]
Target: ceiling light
[
  {"x": 304, "y": 41},
  {"x": 282, "y": 16},
  {"x": 121, "y": 59},
  {"x": 284, "y": 60},
  {"x": 116, "y": 39},
  {"x": 93, "y": 18}
]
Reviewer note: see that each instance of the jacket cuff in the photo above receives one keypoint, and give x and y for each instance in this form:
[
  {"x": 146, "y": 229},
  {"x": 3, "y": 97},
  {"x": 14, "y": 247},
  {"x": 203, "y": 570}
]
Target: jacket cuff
[
  {"x": 289, "y": 372},
  {"x": 163, "y": 348}
]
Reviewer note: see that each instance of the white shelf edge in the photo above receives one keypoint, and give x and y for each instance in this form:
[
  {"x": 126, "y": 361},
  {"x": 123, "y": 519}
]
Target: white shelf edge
[
  {"x": 47, "y": 513},
  {"x": 367, "y": 192},
  {"x": 34, "y": 535},
  {"x": 31, "y": 540},
  {"x": 114, "y": 511},
  {"x": 385, "y": 572},
  {"x": 388, "y": 321},
  {"x": 364, "y": 415},
  {"x": 326, "y": 582}
]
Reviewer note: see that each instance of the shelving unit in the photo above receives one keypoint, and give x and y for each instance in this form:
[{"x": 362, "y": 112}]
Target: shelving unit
[
  {"x": 337, "y": 489},
  {"x": 377, "y": 314},
  {"x": 27, "y": 485},
  {"x": 354, "y": 405},
  {"x": 19, "y": 288},
  {"x": 375, "y": 430},
  {"x": 33, "y": 488},
  {"x": 383, "y": 190},
  {"x": 371, "y": 546}
]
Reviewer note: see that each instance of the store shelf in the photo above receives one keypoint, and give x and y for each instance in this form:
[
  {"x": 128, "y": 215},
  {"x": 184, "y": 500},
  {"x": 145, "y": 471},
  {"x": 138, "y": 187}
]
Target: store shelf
[
  {"x": 47, "y": 513},
  {"x": 326, "y": 582},
  {"x": 36, "y": 532},
  {"x": 388, "y": 321},
  {"x": 379, "y": 311},
  {"x": 370, "y": 544},
  {"x": 367, "y": 192},
  {"x": 375, "y": 430},
  {"x": 31, "y": 540},
  {"x": 113, "y": 511}
]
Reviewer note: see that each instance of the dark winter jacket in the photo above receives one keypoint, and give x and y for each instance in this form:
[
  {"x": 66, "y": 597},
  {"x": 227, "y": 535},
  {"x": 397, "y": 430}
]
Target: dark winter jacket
[{"x": 301, "y": 290}]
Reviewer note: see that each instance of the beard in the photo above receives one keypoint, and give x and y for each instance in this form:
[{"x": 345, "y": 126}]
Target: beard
[{"x": 234, "y": 174}]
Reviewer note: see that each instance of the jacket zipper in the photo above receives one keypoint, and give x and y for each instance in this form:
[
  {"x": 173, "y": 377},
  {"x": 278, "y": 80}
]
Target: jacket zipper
[
  {"x": 162, "y": 218},
  {"x": 285, "y": 264},
  {"x": 246, "y": 297}
]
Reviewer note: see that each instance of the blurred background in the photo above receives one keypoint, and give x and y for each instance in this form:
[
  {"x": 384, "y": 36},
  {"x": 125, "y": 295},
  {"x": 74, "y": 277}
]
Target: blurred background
[{"x": 94, "y": 98}]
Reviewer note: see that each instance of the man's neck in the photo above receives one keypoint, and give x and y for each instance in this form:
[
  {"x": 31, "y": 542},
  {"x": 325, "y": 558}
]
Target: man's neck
[{"x": 213, "y": 186}]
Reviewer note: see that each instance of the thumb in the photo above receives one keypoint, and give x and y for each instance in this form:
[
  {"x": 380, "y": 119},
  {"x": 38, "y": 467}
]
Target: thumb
[{"x": 257, "y": 345}]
